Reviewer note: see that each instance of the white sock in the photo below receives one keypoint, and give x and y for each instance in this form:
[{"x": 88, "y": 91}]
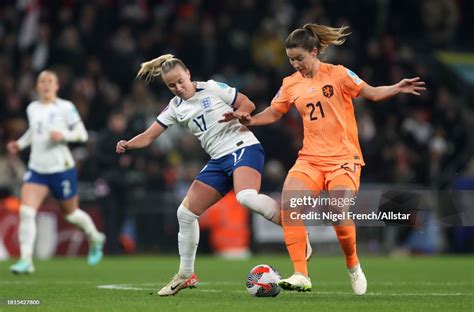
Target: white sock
[
  {"x": 261, "y": 204},
  {"x": 27, "y": 232},
  {"x": 354, "y": 269},
  {"x": 84, "y": 222},
  {"x": 188, "y": 240}
]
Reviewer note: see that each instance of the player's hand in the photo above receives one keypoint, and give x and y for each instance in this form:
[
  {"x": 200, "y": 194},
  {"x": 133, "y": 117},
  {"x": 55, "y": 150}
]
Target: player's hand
[
  {"x": 56, "y": 136},
  {"x": 228, "y": 117},
  {"x": 243, "y": 117},
  {"x": 121, "y": 147},
  {"x": 13, "y": 148},
  {"x": 412, "y": 86}
]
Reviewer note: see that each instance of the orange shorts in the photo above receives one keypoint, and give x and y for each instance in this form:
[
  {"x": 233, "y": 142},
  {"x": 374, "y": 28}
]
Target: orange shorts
[{"x": 326, "y": 176}]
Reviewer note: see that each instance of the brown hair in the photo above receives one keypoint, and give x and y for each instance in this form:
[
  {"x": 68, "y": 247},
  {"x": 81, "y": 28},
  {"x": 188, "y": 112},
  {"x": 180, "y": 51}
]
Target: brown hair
[
  {"x": 316, "y": 36},
  {"x": 157, "y": 67}
]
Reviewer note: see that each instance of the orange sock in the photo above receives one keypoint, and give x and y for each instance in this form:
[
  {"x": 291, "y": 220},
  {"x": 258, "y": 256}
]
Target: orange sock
[
  {"x": 347, "y": 240},
  {"x": 295, "y": 240}
]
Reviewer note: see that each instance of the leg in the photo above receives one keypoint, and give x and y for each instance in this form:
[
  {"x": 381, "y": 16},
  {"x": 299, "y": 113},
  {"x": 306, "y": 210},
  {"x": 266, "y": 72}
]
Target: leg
[
  {"x": 207, "y": 189},
  {"x": 294, "y": 231},
  {"x": 345, "y": 186},
  {"x": 74, "y": 215},
  {"x": 32, "y": 195},
  {"x": 304, "y": 179},
  {"x": 200, "y": 196},
  {"x": 64, "y": 188},
  {"x": 297, "y": 185},
  {"x": 247, "y": 185},
  {"x": 342, "y": 186},
  {"x": 246, "y": 166}
]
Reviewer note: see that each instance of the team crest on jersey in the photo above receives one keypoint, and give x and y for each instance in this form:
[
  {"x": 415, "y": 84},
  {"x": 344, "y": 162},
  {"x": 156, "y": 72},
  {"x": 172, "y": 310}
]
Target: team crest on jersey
[
  {"x": 206, "y": 103},
  {"x": 328, "y": 91}
]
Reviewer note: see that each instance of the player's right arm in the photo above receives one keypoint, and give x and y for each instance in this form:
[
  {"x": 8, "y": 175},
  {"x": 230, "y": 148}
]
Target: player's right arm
[
  {"x": 23, "y": 142},
  {"x": 142, "y": 140},
  {"x": 268, "y": 116},
  {"x": 280, "y": 105}
]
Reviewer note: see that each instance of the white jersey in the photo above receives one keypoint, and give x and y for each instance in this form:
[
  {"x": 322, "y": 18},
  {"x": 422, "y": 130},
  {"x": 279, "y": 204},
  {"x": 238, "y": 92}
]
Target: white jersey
[
  {"x": 201, "y": 113},
  {"x": 47, "y": 156}
]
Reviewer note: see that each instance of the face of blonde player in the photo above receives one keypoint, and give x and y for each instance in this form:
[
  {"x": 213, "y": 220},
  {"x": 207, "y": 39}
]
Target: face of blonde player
[
  {"x": 302, "y": 60},
  {"x": 47, "y": 87},
  {"x": 178, "y": 80}
]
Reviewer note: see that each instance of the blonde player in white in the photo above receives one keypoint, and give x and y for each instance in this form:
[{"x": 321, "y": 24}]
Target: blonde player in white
[
  {"x": 237, "y": 158},
  {"x": 53, "y": 123}
]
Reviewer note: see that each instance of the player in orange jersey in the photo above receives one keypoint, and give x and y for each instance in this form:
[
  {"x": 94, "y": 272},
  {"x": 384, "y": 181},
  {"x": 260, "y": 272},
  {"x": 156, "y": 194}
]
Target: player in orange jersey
[{"x": 330, "y": 158}]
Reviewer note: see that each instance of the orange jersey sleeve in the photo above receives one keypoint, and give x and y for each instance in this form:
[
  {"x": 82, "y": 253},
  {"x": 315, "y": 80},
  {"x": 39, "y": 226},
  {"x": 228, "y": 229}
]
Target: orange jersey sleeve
[
  {"x": 284, "y": 98},
  {"x": 351, "y": 83},
  {"x": 325, "y": 105}
]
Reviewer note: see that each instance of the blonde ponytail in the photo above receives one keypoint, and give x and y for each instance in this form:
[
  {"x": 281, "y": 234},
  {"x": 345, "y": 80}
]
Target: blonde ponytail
[
  {"x": 316, "y": 36},
  {"x": 156, "y": 67}
]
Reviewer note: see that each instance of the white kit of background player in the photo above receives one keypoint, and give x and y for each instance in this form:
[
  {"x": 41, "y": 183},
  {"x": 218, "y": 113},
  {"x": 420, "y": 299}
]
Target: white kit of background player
[{"x": 53, "y": 123}]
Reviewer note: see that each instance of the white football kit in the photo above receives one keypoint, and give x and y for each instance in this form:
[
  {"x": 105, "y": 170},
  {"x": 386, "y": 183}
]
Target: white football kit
[
  {"x": 47, "y": 156},
  {"x": 201, "y": 114}
]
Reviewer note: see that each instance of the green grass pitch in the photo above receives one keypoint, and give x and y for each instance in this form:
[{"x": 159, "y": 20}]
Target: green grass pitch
[{"x": 130, "y": 284}]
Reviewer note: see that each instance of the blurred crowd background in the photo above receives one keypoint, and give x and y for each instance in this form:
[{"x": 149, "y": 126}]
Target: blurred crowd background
[{"x": 96, "y": 48}]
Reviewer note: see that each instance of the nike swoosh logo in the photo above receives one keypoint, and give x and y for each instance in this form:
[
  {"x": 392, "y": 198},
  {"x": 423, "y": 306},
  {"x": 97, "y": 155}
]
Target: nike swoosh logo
[{"x": 175, "y": 286}]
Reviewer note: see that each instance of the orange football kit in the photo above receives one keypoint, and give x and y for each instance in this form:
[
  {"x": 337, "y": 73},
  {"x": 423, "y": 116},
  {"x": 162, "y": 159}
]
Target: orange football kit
[{"x": 331, "y": 155}]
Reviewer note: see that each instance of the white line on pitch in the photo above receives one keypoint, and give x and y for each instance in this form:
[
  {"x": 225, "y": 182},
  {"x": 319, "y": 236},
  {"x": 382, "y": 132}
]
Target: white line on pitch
[{"x": 436, "y": 294}]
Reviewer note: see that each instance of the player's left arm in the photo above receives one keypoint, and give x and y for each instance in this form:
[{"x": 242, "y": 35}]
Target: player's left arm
[
  {"x": 243, "y": 107},
  {"x": 411, "y": 86},
  {"x": 76, "y": 131},
  {"x": 243, "y": 104}
]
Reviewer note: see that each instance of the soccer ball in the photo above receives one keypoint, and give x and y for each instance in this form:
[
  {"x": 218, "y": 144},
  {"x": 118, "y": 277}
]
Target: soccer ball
[{"x": 262, "y": 281}]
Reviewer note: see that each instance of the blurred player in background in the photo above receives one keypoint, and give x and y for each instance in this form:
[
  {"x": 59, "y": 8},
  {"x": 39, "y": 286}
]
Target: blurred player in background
[
  {"x": 236, "y": 162},
  {"x": 53, "y": 123},
  {"x": 330, "y": 158}
]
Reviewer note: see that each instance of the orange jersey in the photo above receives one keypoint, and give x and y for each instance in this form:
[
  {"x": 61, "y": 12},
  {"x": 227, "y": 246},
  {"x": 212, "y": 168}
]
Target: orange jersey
[{"x": 325, "y": 104}]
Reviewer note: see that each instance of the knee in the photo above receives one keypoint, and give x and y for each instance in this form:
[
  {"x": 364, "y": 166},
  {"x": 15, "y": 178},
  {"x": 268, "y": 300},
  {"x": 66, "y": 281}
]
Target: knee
[
  {"x": 244, "y": 197},
  {"x": 66, "y": 211},
  {"x": 27, "y": 212},
  {"x": 186, "y": 215}
]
